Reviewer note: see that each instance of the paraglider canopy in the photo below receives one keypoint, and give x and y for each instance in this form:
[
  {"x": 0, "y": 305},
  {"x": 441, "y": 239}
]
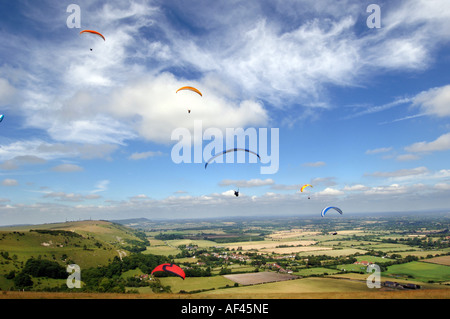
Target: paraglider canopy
[
  {"x": 93, "y": 32},
  {"x": 1, "y": 117},
  {"x": 170, "y": 268},
  {"x": 230, "y": 150},
  {"x": 190, "y": 88},
  {"x": 304, "y": 186},
  {"x": 326, "y": 209}
]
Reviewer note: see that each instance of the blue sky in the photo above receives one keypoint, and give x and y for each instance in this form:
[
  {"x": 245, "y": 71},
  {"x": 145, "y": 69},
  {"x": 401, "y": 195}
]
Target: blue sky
[{"x": 362, "y": 113}]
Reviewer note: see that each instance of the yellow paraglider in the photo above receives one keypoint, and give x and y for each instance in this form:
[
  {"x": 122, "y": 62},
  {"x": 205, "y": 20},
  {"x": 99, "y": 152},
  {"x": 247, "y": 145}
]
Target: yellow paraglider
[{"x": 304, "y": 186}]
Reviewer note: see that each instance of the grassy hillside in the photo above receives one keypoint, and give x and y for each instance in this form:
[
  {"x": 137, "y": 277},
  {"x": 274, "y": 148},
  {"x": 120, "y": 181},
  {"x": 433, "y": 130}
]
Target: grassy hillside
[{"x": 85, "y": 243}]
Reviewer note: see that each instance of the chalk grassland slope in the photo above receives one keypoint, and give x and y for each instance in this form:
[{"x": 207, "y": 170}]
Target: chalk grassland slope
[{"x": 86, "y": 243}]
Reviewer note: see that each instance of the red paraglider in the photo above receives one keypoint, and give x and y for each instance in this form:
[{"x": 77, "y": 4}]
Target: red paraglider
[
  {"x": 170, "y": 268},
  {"x": 93, "y": 32}
]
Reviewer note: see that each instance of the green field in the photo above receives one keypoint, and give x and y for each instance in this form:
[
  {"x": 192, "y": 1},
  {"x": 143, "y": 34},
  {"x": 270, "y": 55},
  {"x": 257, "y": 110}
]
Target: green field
[
  {"x": 420, "y": 271},
  {"x": 196, "y": 283},
  {"x": 93, "y": 243},
  {"x": 315, "y": 271}
]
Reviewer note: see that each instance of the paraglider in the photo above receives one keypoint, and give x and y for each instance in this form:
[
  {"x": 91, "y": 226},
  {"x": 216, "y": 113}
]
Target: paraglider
[
  {"x": 1, "y": 117},
  {"x": 230, "y": 150},
  {"x": 170, "y": 268},
  {"x": 236, "y": 193},
  {"x": 190, "y": 88},
  {"x": 94, "y": 32},
  {"x": 303, "y": 187},
  {"x": 326, "y": 209}
]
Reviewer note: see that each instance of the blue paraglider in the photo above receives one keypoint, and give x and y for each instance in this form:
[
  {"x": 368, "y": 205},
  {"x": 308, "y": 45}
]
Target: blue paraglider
[
  {"x": 326, "y": 209},
  {"x": 1, "y": 117}
]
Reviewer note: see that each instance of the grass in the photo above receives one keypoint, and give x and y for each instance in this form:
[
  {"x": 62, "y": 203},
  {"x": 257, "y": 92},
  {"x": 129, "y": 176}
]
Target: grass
[
  {"x": 304, "y": 285},
  {"x": 420, "y": 271},
  {"x": 196, "y": 283},
  {"x": 315, "y": 271}
]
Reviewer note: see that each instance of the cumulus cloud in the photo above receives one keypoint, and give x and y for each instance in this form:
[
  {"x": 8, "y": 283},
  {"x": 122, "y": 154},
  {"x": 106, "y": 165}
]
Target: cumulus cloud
[
  {"x": 442, "y": 143},
  {"x": 329, "y": 192}
]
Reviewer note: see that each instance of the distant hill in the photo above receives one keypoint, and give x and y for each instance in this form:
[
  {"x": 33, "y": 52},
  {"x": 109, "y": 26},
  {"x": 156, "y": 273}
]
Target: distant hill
[
  {"x": 132, "y": 221},
  {"x": 86, "y": 243}
]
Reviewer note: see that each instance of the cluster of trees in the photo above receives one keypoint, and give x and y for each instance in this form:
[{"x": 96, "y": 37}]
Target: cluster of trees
[
  {"x": 37, "y": 268},
  {"x": 65, "y": 233},
  {"x": 427, "y": 242},
  {"x": 99, "y": 279}
]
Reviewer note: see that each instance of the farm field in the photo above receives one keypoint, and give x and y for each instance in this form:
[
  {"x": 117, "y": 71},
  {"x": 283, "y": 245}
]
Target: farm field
[
  {"x": 247, "y": 258},
  {"x": 259, "y": 278},
  {"x": 305, "y": 285},
  {"x": 443, "y": 260},
  {"x": 420, "y": 271}
]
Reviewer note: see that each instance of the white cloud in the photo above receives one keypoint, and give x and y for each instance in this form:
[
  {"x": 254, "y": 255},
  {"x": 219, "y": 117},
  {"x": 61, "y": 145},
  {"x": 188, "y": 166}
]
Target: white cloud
[
  {"x": 67, "y": 168},
  {"x": 442, "y": 143},
  {"x": 160, "y": 110},
  {"x": 144, "y": 155},
  {"x": 435, "y": 101},
  {"x": 70, "y": 197},
  {"x": 407, "y": 157},
  {"x": 442, "y": 186},
  {"x": 7, "y": 92},
  {"x": 101, "y": 186},
  {"x": 36, "y": 151},
  {"x": 329, "y": 192},
  {"x": 314, "y": 164},
  {"x": 10, "y": 182},
  {"x": 401, "y": 172},
  {"x": 327, "y": 181},
  {"x": 357, "y": 187},
  {"x": 379, "y": 150}
]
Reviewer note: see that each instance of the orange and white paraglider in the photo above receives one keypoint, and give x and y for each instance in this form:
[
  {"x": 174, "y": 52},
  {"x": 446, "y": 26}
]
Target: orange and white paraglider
[{"x": 190, "y": 88}]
